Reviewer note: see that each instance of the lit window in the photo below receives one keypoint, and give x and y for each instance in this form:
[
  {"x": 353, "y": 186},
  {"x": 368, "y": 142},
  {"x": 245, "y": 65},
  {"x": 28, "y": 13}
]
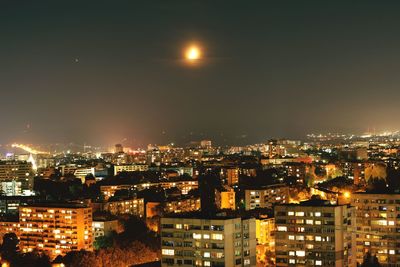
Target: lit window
[
  {"x": 300, "y": 213},
  {"x": 292, "y": 253},
  {"x": 207, "y": 263},
  {"x": 282, "y": 229},
  {"x": 290, "y": 213},
  {"x": 392, "y": 252},
  {"x": 168, "y": 252},
  {"x": 390, "y": 222},
  {"x": 292, "y": 261},
  {"x": 207, "y": 254},
  {"x": 300, "y": 253},
  {"x": 196, "y": 236},
  {"x": 317, "y": 214},
  {"x": 309, "y": 222},
  {"x": 291, "y": 237},
  {"x": 319, "y": 263},
  {"x": 217, "y": 236},
  {"x": 318, "y": 222},
  {"x": 206, "y": 236},
  {"x": 299, "y": 237},
  {"x": 178, "y": 226},
  {"x": 318, "y": 238}
]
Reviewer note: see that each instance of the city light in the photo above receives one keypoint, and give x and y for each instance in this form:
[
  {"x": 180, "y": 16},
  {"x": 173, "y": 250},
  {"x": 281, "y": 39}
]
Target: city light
[{"x": 28, "y": 149}]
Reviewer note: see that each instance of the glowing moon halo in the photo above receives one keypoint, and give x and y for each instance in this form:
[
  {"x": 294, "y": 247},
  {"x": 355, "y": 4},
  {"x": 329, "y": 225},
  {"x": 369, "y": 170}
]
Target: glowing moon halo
[{"x": 192, "y": 53}]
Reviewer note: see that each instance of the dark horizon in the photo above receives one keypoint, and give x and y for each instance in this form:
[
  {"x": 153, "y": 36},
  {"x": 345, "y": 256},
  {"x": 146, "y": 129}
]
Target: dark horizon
[{"x": 100, "y": 72}]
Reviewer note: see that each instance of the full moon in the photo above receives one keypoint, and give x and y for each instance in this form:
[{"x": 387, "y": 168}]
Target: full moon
[{"x": 193, "y": 53}]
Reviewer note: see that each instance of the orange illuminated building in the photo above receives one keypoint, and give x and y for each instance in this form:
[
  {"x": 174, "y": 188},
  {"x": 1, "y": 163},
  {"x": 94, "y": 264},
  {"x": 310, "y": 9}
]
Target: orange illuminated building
[{"x": 55, "y": 229}]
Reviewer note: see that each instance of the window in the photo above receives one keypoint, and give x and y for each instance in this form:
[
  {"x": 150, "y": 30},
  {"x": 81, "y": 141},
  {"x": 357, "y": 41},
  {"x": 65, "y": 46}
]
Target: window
[
  {"x": 178, "y": 226},
  {"x": 246, "y": 262},
  {"x": 207, "y": 254},
  {"x": 282, "y": 229},
  {"x": 318, "y": 238},
  {"x": 300, "y": 253},
  {"x": 217, "y": 227},
  {"x": 300, "y": 213},
  {"x": 292, "y": 253},
  {"x": 317, "y": 214},
  {"x": 319, "y": 263},
  {"x": 290, "y": 213},
  {"x": 309, "y": 222},
  {"x": 168, "y": 252},
  {"x": 206, "y": 236},
  {"x": 207, "y": 263},
  {"x": 292, "y": 261},
  {"x": 392, "y": 252},
  {"x": 309, "y": 237},
  {"x": 291, "y": 237},
  {"x": 196, "y": 236},
  {"x": 300, "y": 237},
  {"x": 217, "y": 236}
]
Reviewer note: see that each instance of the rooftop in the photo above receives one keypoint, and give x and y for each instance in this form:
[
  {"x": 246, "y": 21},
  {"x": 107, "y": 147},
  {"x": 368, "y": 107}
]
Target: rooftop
[{"x": 56, "y": 205}]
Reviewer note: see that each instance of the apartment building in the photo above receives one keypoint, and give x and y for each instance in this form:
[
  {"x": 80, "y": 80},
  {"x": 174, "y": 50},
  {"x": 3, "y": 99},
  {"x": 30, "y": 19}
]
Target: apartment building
[
  {"x": 133, "y": 206},
  {"x": 195, "y": 240},
  {"x": 313, "y": 233},
  {"x": 377, "y": 221},
  {"x": 130, "y": 168},
  {"x": 266, "y": 197},
  {"x": 55, "y": 228}
]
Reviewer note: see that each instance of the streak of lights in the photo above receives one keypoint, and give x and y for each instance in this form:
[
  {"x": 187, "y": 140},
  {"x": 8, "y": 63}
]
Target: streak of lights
[{"x": 29, "y": 149}]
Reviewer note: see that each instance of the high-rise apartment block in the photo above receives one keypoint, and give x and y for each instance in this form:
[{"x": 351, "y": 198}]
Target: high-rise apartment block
[
  {"x": 194, "y": 240},
  {"x": 313, "y": 233},
  {"x": 55, "y": 228},
  {"x": 377, "y": 221},
  {"x": 16, "y": 177}
]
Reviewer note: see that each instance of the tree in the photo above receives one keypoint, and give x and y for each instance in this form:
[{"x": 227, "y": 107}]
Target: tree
[
  {"x": 103, "y": 242},
  {"x": 9, "y": 247},
  {"x": 370, "y": 261}
]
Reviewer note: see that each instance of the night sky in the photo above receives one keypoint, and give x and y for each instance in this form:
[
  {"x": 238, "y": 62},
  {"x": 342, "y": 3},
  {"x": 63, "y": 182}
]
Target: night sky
[{"x": 107, "y": 71}]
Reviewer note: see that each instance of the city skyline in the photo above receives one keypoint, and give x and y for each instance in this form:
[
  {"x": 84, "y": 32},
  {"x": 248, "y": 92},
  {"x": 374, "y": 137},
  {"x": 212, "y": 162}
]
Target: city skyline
[{"x": 105, "y": 72}]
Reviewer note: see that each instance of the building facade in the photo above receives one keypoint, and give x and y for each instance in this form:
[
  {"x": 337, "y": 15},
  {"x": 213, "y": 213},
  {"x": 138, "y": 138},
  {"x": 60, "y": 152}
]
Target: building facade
[
  {"x": 132, "y": 206},
  {"x": 377, "y": 220},
  {"x": 313, "y": 233},
  {"x": 55, "y": 229},
  {"x": 16, "y": 177},
  {"x": 197, "y": 241},
  {"x": 266, "y": 197}
]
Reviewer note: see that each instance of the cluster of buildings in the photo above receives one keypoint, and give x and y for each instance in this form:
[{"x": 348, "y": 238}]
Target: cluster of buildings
[{"x": 279, "y": 203}]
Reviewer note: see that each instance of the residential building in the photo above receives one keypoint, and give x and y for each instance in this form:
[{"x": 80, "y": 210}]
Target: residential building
[
  {"x": 133, "y": 206},
  {"x": 104, "y": 227},
  {"x": 16, "y": 177},
  {"x": 377, "y": 226},
  {"x": 313, "y": 233},
  {"x": 232, "y": 176},
  {"x": 265, "y": 234},
  {"x": 55, "y": 228},
  {"x": 195, "y": 240},
  {"x": 130, "y": 168},
  {"x": 266, "y": 197}
]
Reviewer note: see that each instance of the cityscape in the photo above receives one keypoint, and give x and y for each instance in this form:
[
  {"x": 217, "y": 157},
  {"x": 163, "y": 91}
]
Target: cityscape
[
  {"x": 199, "y": 133},
  {"x": 327, "y": 200}
]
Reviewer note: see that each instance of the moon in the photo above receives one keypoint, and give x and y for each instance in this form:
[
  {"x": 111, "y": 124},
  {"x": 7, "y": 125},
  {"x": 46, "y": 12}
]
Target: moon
[{"x": 193, "y": 53}]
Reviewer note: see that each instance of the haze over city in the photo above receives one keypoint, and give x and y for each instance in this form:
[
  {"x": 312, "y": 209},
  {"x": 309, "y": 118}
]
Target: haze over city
[
  {"x": 199, "y": 133},
  {"x": 101, "y": 72}
]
